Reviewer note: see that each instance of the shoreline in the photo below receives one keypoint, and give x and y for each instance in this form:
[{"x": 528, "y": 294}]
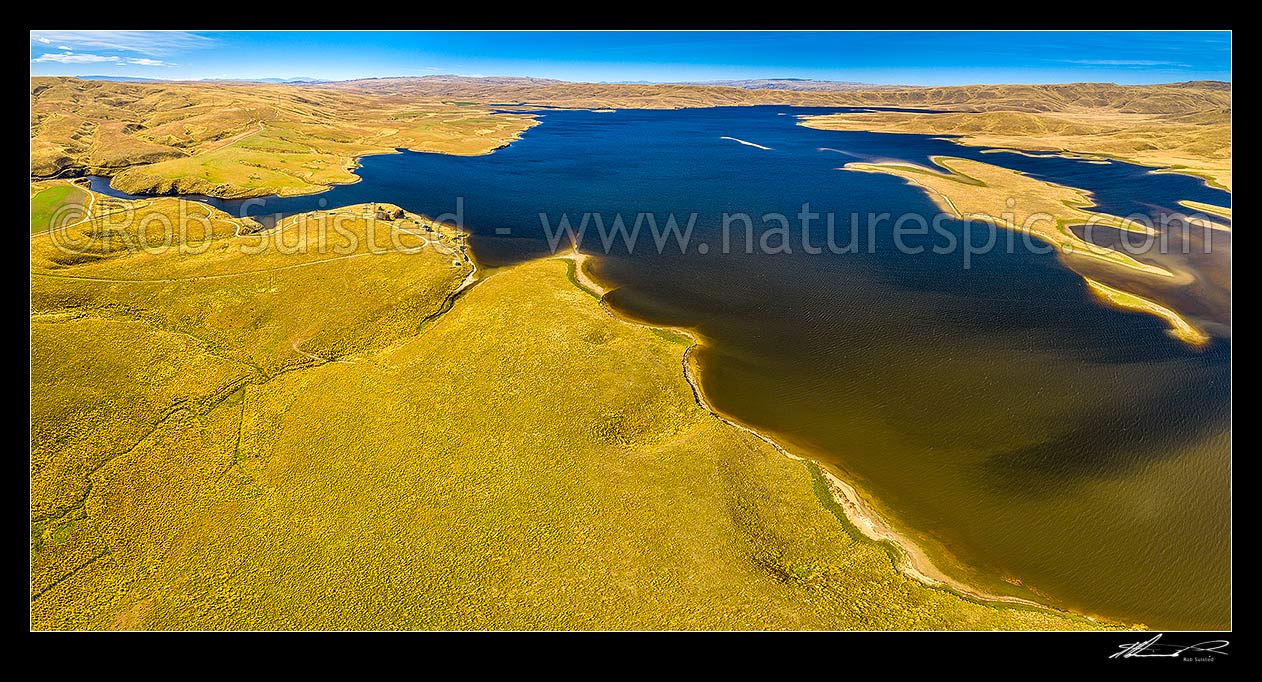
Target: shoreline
[
  {"x": 978, "y": 140},
  {"x": 909, "y": 557},
  {"x": 1069, "y": 242},
  {"x": 1179, "y": 327},
  {"x": 1064, "y": 242},
  {"x": 1220, "y": 211},
  {"x": 111, "y": 172}
]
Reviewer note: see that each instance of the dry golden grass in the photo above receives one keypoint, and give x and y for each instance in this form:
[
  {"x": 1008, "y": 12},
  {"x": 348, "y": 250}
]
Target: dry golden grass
[
  {"x": 1192, "y": 143},
  {"x": 523, "y": 460},
  {"x": 974, "y": 190},
  {"x": 1179, "y": 328},
  {"x": 1185, "y": 98},
  {"x": 1010, "y": 199},
  {"x": 236, "y": 140},
  {"x": 1193, "y": 97},
  {"x": 1222, "y": 211},
  {"x": 149, "y": 331},
  {"x": 245, "y": 296},
  {"x": 250, "y": 139},
  {"x": 325, "y": 438}
]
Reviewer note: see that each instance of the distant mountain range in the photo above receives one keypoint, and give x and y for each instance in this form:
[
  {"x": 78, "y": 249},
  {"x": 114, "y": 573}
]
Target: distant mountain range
[
  {"x": 271, "y": 80},
  {"x": 747, "y": 84},
  {"x": 453, "y": 84},
  {"x": 119, "y": 79},
  {"x": 135, "y": 79},
  {"x": 765, "y": 84},
  {"x": 786, "y": 84}
]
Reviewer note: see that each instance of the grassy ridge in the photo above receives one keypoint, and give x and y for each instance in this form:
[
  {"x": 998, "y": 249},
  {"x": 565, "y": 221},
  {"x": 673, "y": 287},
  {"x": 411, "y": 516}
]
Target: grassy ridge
[
  {"x": 237, "y": 140},
  {"x": 251, "y": 139},
  {"x": 522, "y": 461},
  {"x": 1174, "y": 98},
  {"x": 124, "y": 339},
  {"x": 1181, "y": 139}
]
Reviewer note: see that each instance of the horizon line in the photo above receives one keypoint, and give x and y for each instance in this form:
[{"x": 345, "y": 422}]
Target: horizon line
[{"x": 719, "y": 82}]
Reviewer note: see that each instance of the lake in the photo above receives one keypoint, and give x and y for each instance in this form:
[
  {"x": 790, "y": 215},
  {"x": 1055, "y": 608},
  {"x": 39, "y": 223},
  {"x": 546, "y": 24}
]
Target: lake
[{"x": 1037, "y": 442}]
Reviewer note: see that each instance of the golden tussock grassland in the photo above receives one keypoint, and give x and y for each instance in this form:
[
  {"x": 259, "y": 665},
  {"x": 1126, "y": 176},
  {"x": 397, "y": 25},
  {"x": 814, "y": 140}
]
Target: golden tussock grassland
[
  {"x": 305, "y": 441},
  {"x": 1183, "y": 128},
  {"x": 239, "y": 140},
  {"x": 251, "y": 139},
  {"x": 308, "y": 427}
]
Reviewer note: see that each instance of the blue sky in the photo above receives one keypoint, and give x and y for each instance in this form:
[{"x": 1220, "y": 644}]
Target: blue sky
[{"x": 913, "y": 58}]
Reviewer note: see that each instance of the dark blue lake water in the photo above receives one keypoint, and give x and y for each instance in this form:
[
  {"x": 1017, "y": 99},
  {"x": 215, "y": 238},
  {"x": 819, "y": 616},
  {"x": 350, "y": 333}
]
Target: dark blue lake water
[{"x": 1037, "y": 441}]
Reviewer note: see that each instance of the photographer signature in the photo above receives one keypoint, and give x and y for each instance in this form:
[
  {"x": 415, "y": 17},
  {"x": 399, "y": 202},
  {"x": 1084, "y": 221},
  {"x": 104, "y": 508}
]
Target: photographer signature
[{"x": 1153, "y": 648}]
